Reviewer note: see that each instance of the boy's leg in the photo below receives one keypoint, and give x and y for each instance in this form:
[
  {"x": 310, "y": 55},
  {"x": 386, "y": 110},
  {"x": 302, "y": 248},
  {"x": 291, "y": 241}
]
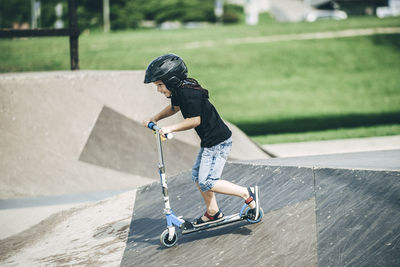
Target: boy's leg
[
  {"x": 210, "y": 164},
  {"x": 208, "y": 196},
  {"x": 228, "y": 188},
  {"x": 211, "y": 203}
]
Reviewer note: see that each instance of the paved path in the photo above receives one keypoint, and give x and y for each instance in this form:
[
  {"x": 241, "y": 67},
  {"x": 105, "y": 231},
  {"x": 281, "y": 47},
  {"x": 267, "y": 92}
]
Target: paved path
[
  {"x": 334, "y": 146},
  {"x": 290, "y": 37}
]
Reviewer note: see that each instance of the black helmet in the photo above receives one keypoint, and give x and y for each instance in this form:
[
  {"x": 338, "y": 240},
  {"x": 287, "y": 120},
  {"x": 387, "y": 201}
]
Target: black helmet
[{"x": 168, "y": 68}]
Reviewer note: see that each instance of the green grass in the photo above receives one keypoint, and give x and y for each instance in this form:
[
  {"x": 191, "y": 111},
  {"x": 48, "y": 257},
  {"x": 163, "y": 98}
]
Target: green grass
[
  {"x": 273, "y": 90},
  {"x": 132, "y": 49},
  {"x": 358, "y": 132}
]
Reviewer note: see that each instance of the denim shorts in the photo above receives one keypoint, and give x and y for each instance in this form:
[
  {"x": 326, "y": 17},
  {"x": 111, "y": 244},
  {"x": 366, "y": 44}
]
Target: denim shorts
[{"x": 209, "y": 164}]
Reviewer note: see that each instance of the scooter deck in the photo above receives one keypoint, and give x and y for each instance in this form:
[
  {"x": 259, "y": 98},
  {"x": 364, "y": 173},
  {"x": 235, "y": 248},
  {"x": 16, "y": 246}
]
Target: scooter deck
[{"x": 188, "y": 227}]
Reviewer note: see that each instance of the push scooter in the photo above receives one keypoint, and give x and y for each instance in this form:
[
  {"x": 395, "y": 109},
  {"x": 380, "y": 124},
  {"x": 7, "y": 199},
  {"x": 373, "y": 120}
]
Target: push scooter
[{"x": 169, "y": 236}]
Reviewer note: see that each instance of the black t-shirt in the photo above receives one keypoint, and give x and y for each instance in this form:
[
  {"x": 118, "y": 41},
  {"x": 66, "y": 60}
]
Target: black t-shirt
[{"x": 194, "y": 102}]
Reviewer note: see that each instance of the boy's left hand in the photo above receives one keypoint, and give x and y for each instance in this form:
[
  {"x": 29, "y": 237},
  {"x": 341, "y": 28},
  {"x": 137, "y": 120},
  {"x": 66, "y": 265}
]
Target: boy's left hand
[{"x": 165, "y": 130}]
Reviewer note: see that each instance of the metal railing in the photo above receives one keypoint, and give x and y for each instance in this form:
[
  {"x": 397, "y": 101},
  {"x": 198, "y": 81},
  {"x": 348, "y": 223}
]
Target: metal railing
[{"x": 73, "y": 33}]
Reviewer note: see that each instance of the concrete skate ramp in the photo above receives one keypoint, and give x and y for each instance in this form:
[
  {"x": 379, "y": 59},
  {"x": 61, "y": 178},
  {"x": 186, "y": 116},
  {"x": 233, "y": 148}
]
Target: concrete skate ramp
[
  {"x": 313, "y": 216},
  {"x": 75, "y": 132},
  {"x": 287, "y": 234},
  {"x": 119, "y": 143}
]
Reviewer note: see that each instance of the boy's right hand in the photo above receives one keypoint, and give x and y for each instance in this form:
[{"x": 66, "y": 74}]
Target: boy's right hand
[{"x": 146, "y": 122}]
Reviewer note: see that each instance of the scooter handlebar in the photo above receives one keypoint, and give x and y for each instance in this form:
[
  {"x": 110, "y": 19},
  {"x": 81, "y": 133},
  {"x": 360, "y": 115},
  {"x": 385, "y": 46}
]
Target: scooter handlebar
[{"x": 154, "y": 127}]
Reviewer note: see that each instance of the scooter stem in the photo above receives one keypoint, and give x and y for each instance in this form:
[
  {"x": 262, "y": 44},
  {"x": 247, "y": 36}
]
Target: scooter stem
[
  {"x": 172, "y": 220},
  {"x": 163, "y": 179}
]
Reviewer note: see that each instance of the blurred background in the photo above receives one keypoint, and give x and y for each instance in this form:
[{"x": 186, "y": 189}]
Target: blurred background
[{"x": 281, "y": 70}]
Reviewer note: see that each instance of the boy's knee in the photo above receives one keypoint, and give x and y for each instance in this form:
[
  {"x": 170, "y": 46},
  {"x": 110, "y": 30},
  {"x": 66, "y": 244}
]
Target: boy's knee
[{"x": 205, "y": 186}]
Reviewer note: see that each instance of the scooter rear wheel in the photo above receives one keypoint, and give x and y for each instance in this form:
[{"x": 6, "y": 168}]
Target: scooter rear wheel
[
  {"x": 165, "y": 241},
  {"x": 250, "y": 217}
]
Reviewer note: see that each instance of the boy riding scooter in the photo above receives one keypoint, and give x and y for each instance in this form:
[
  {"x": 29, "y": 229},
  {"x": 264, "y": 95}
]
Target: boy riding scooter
[{"x": 169, "y": 74}]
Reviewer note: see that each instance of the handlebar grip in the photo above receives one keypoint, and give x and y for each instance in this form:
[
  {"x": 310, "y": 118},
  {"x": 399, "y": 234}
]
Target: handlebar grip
[
  {"x": 169, "y": 135},
  {"x": 153, "y": 126}
]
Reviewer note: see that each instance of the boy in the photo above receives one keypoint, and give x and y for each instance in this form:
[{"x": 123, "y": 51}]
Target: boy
[{"x": 169, "y": 74}]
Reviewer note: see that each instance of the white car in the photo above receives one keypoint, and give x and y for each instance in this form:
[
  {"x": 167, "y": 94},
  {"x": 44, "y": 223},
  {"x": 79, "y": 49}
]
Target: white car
[{"x": 318, "y": 14}]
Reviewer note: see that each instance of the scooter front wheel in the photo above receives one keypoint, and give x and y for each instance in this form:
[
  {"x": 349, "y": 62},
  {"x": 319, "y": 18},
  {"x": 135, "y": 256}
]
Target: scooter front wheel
[{"x": 164, "y": 238}]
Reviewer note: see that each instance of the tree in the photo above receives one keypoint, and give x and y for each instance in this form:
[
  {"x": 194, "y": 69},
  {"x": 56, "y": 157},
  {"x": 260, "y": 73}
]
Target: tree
[{"x": 16, "y": 11}]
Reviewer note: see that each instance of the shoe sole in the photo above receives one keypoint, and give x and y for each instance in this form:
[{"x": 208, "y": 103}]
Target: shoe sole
[
  {"x": 209, "y": 222},
  {"x": 256, "y": 193}
]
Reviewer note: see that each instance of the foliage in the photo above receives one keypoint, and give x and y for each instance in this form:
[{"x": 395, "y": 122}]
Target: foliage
[
  {"x": 360, "y": 7},
  {"x": 181, "y": 10},
  {"x": 15, "y": 11},
  {"x": 232, "y": 13},
  {"x": 124, "y": 14},
  {"x": 89, "y": 13}
]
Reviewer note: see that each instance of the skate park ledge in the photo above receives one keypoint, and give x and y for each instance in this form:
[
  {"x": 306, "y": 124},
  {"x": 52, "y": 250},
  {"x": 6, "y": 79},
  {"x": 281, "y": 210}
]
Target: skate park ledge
[{"x": 320, "y": 210}]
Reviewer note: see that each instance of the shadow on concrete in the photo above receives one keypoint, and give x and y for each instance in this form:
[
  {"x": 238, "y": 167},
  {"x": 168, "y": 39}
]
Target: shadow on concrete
[
  {"x": 120, "y": 143},
  {"x": 153, "y": 238},
  {"x": 306, "y": 124},
  {"x": 389, "y": 40}
]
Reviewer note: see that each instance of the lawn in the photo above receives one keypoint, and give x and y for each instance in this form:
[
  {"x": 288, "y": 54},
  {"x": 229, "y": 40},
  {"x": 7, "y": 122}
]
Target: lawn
[{"x": 276, "y": 92}]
